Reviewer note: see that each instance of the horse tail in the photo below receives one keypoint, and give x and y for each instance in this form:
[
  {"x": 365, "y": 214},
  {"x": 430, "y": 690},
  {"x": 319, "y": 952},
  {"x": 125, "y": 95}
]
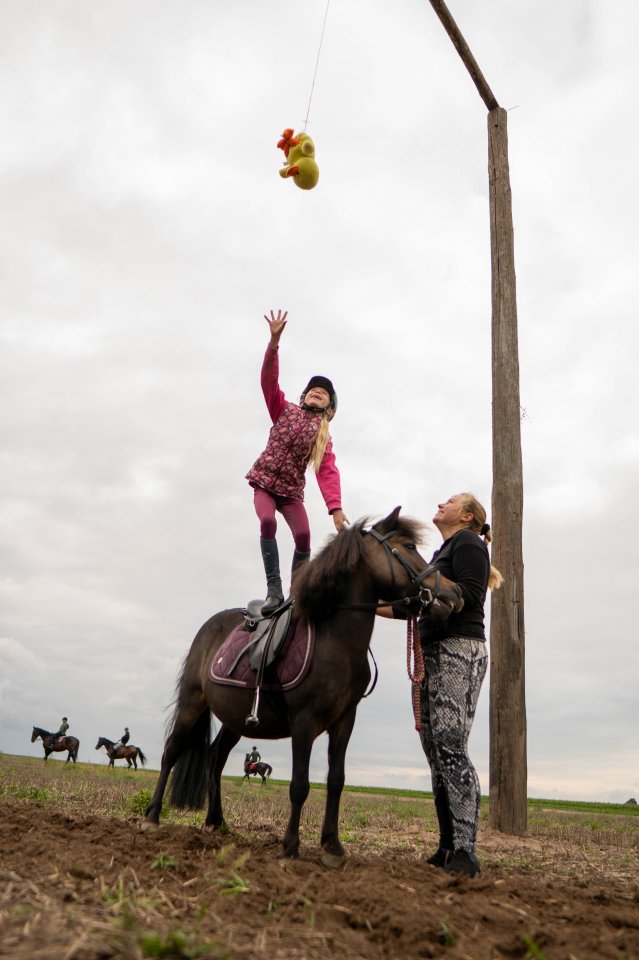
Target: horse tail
[
  {"x": 269, "y": 769},
  {"x": 190, "y": 777},
  {"x": 75, "y": 751},
  {"x": 141, "y": 758}
]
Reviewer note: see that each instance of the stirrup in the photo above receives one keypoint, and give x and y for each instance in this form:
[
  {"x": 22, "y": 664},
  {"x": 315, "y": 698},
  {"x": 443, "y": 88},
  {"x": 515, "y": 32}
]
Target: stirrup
[{"x": 252, "y": 720}]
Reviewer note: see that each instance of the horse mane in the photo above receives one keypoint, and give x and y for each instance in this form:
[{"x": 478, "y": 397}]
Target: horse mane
[
  {"x": 322, "y": 583},
  {"x": 41, "y": 730},
  {"x": 107, "y": 742}
]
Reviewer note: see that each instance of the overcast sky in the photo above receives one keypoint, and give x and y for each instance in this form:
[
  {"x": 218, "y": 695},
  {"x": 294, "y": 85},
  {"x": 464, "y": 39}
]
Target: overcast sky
[{"x": 145, "y": 232}]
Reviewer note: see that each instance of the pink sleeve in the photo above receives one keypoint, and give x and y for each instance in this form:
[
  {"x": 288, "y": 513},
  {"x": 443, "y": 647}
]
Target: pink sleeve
[
  {"x": 275, "y": 399},
  {"x": 328, "y": 479}
]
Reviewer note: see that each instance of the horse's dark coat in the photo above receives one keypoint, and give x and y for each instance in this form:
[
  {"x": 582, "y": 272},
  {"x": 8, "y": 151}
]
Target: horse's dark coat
[
  {"x": 130, "y": 754},
  {"x": 337, "y": 592}
]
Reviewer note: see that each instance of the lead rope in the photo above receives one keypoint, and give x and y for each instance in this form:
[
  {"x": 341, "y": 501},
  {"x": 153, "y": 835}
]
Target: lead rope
[
  {"x": 415, "y": 667},
  {"x": 308, "y": 110}
]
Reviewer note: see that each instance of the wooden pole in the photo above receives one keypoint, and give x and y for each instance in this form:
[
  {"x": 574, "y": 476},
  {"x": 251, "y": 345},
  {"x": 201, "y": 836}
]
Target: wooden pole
[
  {"x": 464, "y": 52},
  {"x": 508, "y": 764}
]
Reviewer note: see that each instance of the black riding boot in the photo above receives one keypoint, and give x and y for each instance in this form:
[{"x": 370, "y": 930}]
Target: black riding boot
[
  {"x": 271, "y": 558},
  {"x": 299, "y": 559},
  {"x": 445, "y": 851}
]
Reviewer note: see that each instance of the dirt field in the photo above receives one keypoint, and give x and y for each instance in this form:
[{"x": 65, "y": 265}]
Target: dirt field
[{"x": 79, "y": 881}]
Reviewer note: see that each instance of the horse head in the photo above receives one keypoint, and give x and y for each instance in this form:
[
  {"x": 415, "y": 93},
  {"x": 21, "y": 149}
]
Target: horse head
[
  {"x": 100, "y": 743},
  {"x": 34, "y": 735},
  {"x": 427, "y": 590}
]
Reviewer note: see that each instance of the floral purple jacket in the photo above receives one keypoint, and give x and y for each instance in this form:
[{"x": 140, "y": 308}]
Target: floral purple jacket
[{"x": 281, "y": 468}]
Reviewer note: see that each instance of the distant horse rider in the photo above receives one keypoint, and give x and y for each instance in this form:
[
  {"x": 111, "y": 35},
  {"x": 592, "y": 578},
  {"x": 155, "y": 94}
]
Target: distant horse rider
[
  {"x": 254, "y": 756},
  {"x": 61, "y": 732},
  {"x": 124, "y": 739}
]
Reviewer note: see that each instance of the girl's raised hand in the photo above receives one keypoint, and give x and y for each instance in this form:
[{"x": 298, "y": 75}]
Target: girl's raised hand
[{"x": 276, "y": 324}]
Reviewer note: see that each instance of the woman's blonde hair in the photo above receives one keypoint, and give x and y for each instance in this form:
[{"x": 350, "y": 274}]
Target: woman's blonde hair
[
  {"x": 479, "y": 526},
  {"x": 320, "y": 443}
]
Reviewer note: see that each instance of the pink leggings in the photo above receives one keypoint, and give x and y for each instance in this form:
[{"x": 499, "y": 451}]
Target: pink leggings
[{"x": 293, "y": 512}]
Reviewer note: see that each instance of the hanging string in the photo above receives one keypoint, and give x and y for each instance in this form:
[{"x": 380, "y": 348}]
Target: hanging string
[{"x": 308, "y": 109}]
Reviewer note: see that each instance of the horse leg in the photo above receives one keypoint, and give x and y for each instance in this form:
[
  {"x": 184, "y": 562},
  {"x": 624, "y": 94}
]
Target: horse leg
[
  {"x": 135, "y": 765},
  {"x": 174, "y": 747},
  {"x": 333, "y": 853},
  {"x": 221, "y": 747},
  {"x": 298, "y": 792}
]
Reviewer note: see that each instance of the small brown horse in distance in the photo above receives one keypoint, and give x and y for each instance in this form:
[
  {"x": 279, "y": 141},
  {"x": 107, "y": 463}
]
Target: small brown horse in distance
[
  {"x": 338, "y": 592},
  {"x": 52, "y": 743},
  {"x": 130, "y": 754}
]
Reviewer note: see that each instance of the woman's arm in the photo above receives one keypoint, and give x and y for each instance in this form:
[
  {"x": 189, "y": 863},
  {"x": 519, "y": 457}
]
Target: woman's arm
[
  {"x": 385, "y": 611},
  {"x": 470, "y": 569}
]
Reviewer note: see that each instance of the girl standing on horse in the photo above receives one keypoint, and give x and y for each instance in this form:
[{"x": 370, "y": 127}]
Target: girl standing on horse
[{"x": 299, "y": 438}]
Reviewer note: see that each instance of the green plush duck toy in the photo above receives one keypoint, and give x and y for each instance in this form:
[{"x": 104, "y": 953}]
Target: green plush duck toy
[{"x": 300, "y": 159}]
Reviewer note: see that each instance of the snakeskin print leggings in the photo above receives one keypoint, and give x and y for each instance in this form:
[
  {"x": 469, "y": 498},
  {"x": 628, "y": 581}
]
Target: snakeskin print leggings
[{"x": 455, "y": 669}]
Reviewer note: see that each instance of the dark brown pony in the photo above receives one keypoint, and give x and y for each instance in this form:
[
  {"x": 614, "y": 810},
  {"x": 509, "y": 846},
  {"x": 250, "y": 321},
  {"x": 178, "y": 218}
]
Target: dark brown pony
[
  {"x": 130, "y": 754},
  {"x": 52, "y": 743},
  {"x": 338, "y": 592}
]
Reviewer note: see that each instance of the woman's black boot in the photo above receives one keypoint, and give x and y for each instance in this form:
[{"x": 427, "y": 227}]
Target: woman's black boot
[
  {"x": 464, "y": 863},
  {"x": 440, "y": 858}
]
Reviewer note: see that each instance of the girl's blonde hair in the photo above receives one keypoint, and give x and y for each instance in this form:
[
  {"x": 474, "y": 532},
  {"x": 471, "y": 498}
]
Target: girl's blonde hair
[
  {"x": 479, "y": 526},
  {"x": 320, "y": 443}
]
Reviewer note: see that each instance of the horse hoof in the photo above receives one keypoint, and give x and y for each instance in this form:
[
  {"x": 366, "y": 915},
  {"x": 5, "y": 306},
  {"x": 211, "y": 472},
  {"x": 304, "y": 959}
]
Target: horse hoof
[
  {"x": 214, "y": 827},
  {"x": 332, "y": 861},
  {"x": 148, "y": 826}
]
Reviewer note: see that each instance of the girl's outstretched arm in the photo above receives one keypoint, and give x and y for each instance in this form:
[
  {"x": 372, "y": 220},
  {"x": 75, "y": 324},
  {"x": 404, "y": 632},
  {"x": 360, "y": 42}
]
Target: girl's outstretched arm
[
  {"x": 274, "y": 396},
  {"x": 276, "y": 324}
]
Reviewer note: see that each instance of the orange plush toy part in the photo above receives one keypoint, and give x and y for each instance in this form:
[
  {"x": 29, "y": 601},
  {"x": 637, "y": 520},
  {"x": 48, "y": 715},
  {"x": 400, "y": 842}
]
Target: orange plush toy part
[{"x": 300, "y": 159}]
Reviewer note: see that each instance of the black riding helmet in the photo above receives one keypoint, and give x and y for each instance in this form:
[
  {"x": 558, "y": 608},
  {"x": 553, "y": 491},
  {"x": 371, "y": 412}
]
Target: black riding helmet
[{"x": 325, "y": 384}]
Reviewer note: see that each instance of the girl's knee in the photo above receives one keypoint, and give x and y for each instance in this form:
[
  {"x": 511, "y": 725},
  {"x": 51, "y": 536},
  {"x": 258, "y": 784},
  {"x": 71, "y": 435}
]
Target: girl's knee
[{"x": 268, "y": 528}]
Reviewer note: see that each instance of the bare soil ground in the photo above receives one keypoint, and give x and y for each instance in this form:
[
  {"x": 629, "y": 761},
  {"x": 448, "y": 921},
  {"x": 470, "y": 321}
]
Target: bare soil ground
[{"x": 79, "y": 881}]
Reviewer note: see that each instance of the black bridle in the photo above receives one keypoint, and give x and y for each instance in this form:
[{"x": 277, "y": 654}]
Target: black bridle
[{"x": 425, "y": 595}]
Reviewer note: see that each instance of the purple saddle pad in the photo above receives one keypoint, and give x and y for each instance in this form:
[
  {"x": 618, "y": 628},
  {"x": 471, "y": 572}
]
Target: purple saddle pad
[{"x": 230, "y": 665}]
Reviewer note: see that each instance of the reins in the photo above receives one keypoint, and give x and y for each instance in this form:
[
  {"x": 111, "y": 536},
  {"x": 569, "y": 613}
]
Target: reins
[
  {"x": 425, "y": 597},
  {"x": 416, "y": 668}
]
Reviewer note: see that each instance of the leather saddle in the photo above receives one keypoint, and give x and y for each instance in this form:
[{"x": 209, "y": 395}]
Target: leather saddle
[{"x": 266, "y": 633}]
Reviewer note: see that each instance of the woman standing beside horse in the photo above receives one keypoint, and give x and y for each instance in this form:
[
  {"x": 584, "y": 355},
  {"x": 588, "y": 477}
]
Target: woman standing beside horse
[{"x": 455, "y": 661}]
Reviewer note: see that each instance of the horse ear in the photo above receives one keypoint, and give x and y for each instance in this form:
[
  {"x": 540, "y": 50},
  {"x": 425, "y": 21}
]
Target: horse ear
[{"x": 389, "y": 523}]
